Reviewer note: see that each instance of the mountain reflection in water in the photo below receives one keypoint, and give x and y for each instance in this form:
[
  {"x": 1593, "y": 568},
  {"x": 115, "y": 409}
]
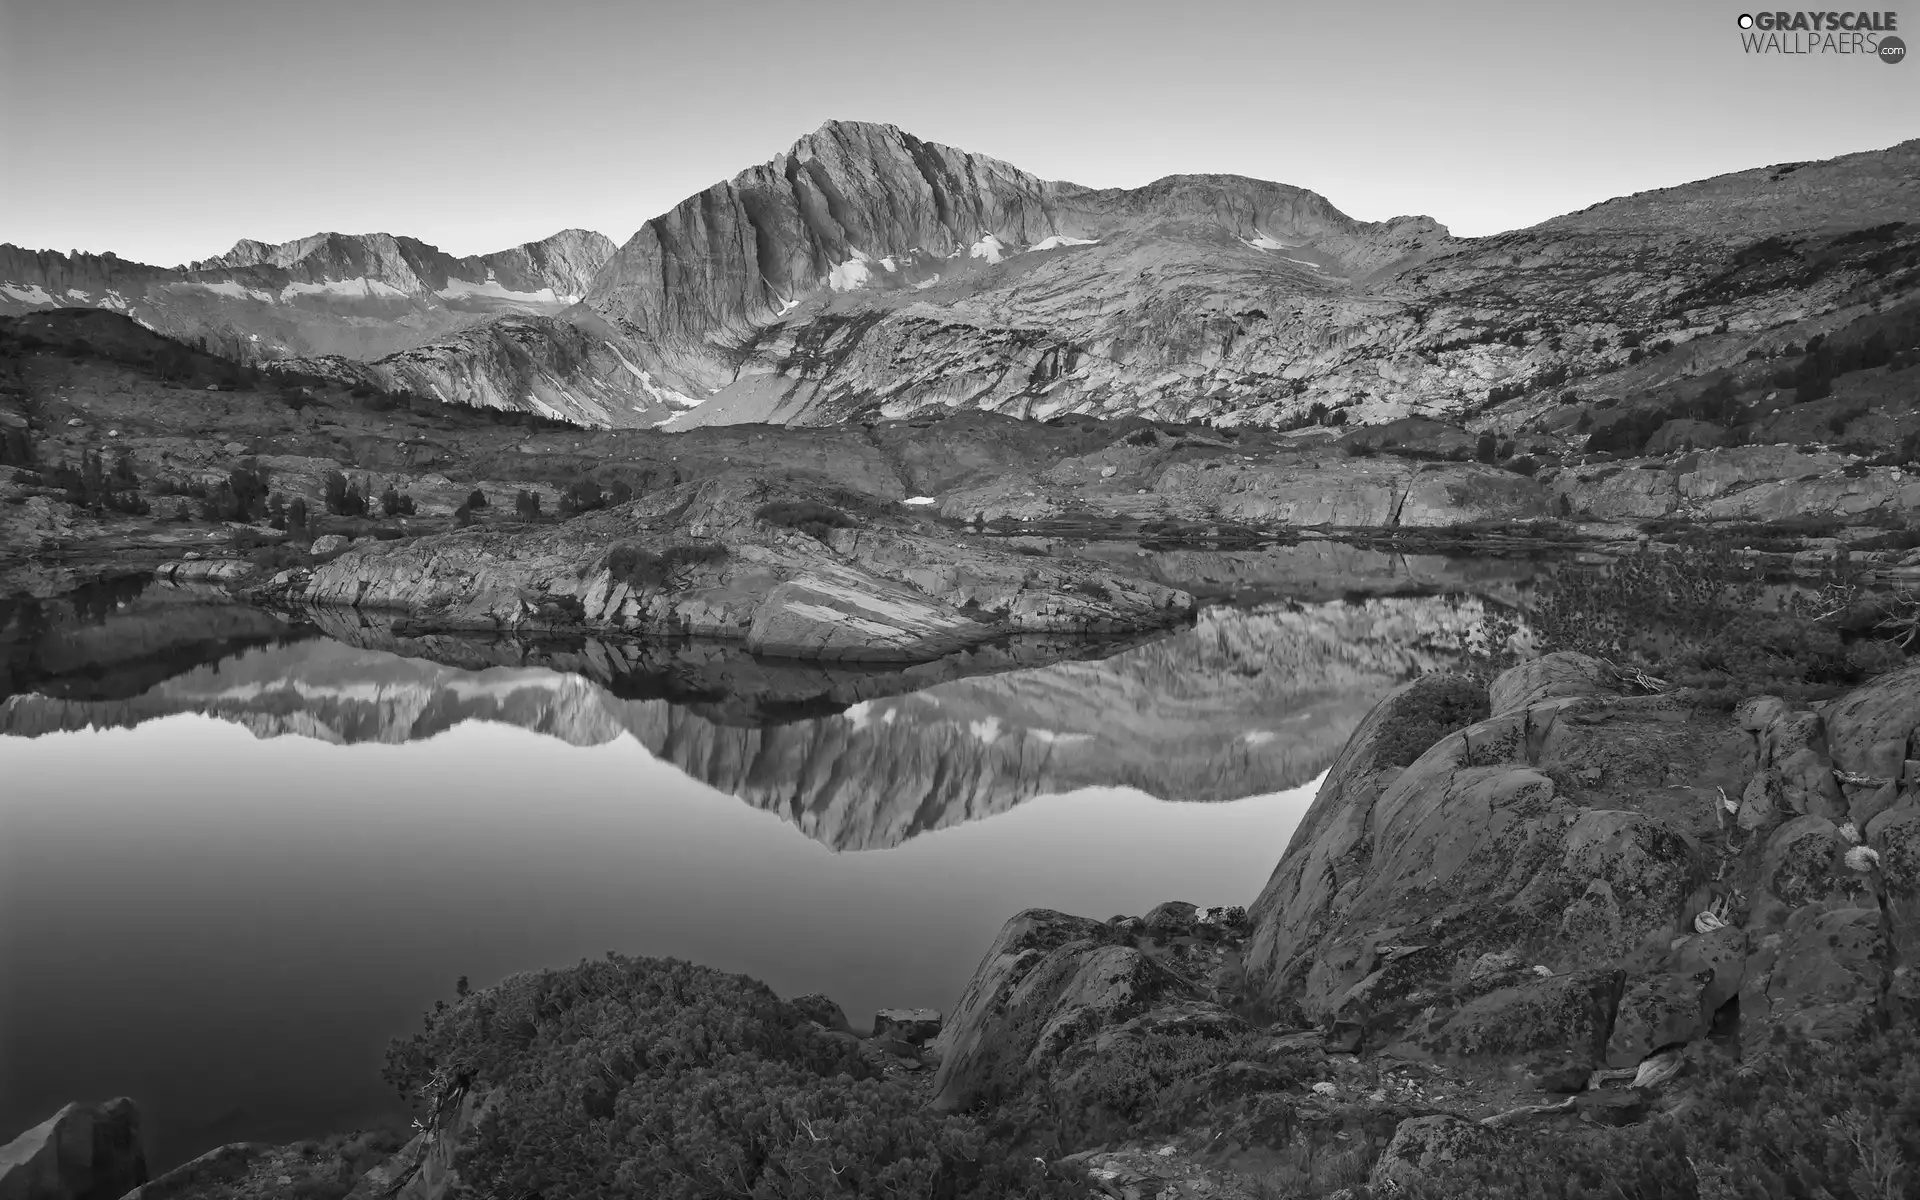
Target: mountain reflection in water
[
  {"x": 1246, "y": 702},
  {"x": 240, "y": 850}
]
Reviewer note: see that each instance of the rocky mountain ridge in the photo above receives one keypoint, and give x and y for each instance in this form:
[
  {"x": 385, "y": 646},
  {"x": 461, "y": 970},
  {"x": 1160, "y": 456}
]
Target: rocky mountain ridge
[
  {"x": 867, "y": 274},
  {"x": 365, "y": 295}
]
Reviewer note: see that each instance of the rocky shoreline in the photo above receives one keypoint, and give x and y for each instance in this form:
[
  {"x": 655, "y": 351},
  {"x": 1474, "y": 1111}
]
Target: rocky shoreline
[{"x": 1548, "y": 921}]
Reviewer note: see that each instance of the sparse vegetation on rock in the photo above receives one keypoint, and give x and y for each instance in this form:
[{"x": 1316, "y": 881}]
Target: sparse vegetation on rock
[
  {"x": 636, "y": 1077},
  {"x": 808, "y": 516}
]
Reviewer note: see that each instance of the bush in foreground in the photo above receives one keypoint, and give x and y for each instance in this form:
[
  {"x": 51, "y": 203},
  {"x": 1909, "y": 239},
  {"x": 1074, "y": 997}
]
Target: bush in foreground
[
  {"x": 655, "y": 1078},
  {"x": 1428, "y": 713},
  {"x": 1703, "y": 618}
]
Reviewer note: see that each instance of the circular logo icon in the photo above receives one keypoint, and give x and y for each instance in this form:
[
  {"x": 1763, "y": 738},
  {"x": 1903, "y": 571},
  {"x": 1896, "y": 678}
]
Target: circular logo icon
[
  {"x": 1892, "y": 50},
  {"x": 1746, "y": 21}
]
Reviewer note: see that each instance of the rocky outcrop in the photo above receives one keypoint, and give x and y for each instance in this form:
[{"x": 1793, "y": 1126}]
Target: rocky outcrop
[
  {"x": 884, "y": 592},
  {"x": 1590, "y": 875},
  {"x": 1745, "y": 483},
  {"x": 1423, "y": 1144},
  {"x": 1058, "y": 999},
  {"x": 83, "y": 1152}
]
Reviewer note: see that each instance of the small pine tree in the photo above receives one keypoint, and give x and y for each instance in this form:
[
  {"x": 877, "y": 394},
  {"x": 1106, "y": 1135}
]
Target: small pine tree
[{"x": 476, "y": 499}]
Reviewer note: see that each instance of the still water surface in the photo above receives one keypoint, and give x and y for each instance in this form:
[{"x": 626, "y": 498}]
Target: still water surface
[{"x": 226, "y": 883}]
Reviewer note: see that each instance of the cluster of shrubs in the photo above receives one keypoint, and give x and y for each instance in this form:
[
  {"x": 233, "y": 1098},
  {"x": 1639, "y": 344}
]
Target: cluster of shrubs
[
  {"x": 1700, "y": 615},
  {"x": 1839, "y": 1121},
  {"x": 1318, "y": 413},
  {"x": 344, "y": 498},
  {"x": 808, "y": 516},
  {"x": 1424, "y": 715},
  {"x": 396, "y": 503},
  {"x": 586, "y": 495},
  {"x": 16, "y": 447},
  {"x": 1823, "y": 360},
  {"x": 94, "y": 487},
  {"x": 639, "y": 567},
  {"x": 655, "y": 1078}
]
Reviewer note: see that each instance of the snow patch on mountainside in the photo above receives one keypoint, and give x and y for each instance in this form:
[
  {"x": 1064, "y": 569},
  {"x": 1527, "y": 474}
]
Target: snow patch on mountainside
[
  {"x": 361, "y": 288},
  {"x": 990, "y": 248},
  {"x": 233, "y": 289},
  {"x": 31, "y": 293},
  {"x": 1060, "y": 239},
  {"x": 851, "y": 274},
  {"x": 1261, "y": 241},
  {"x": 665, "y": 395},
  {"x": 493, "y": 289}
]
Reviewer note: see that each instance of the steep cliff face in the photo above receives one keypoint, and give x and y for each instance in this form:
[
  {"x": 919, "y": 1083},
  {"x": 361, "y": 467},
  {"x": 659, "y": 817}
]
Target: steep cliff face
[
  {"x": 857, "y": 207},
  {"x": 359, "y": 296}
]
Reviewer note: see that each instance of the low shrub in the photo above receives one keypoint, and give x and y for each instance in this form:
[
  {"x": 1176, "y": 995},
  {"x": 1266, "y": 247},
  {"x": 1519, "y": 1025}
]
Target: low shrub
[
  {"x": 655, "y": 1078},
  {"x": 1799, "y": 1119},
  {"x": 639, "y": 567},
  {"x": 1427, "y": 713},
  {"x": 808, "y": 516},
  {"x": 1701, "y": 616}
]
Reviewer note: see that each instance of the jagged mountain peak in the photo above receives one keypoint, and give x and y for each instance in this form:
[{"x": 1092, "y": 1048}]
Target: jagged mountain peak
[{"x": 250, "y": 252}]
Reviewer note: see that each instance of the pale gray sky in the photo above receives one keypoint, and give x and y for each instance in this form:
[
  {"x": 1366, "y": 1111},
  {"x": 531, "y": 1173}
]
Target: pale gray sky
[{"x": 166, "y": 129}]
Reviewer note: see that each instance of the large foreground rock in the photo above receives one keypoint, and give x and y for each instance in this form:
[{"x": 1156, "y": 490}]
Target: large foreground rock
[
  {"x": 1058, "y": 996},
  {"x": 83, "y": 1152},
  {"x": 1589, "y": 874}
]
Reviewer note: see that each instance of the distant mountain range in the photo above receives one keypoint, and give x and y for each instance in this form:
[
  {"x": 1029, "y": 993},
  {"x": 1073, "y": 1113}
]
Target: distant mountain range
[
  {"x": 866, "y": 273},
  {"x": 362, "y": 296}
]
